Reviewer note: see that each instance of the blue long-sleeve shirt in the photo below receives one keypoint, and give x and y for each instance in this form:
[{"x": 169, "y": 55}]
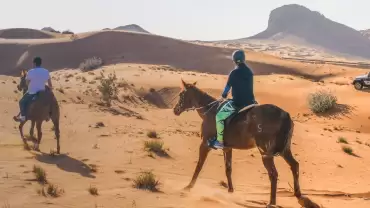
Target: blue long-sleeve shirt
[{"x": 240, "y": 81}]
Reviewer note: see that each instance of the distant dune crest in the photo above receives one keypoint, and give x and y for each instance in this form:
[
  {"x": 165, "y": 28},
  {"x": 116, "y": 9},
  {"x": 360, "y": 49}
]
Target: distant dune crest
[{"x": 24, "y": 33}]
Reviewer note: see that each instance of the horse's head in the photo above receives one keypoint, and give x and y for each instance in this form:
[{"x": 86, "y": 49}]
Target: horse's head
[
  {"x": 186, "y": 98},
  {"x": 23, "y": 84}
]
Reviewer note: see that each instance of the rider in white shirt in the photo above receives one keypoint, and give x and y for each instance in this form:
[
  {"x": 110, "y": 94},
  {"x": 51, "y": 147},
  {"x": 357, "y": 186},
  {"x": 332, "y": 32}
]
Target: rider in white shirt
[{"x": 36, "y": 79}]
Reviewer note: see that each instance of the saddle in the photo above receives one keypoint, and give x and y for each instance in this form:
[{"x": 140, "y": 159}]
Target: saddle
[
  {"x": 228, "y": 120},
  {"x": 35, "y": 98}
]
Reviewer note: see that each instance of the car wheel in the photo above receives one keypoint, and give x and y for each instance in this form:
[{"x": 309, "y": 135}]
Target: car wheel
[{"x": 358, "y": 86}]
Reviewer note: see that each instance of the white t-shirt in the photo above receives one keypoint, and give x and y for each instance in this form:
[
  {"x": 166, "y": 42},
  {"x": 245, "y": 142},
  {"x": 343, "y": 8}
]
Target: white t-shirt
[{"x": 38, "y": 77}]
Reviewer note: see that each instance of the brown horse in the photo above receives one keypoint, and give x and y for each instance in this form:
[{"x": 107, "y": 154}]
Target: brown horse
[
  {"x": 44, "y": 107},
  {"x": 265, "y": 126}
]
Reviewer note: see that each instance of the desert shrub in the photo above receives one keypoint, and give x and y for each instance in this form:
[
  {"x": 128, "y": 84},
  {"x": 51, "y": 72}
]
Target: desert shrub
[
  {"x": 93, "y": 191},
  {"x": 146, "y": 180},
  {"x": 108, "y": 88},
  {"x": 54, "y": 190},
  {"x": 347, "y": 150},
  {"x": 40, "y": 174},
  {"x": 342, "y": 140},
  {"x": 321, "y": 101},
  {"x": 154, "y": 146},
  {"x": 152, "y": 134},
  {"x": 91, "y": 63}
]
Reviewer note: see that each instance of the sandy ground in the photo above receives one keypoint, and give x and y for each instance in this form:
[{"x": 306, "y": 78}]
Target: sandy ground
[{"x": 328, "y": 175}]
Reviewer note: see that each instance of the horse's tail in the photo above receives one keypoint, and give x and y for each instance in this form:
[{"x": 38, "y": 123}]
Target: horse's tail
[{"x": 285, "y": 134}]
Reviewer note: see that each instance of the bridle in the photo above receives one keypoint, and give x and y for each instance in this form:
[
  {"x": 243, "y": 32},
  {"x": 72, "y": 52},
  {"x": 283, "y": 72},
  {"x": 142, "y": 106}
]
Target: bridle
[{"x": 212, "y": 104}]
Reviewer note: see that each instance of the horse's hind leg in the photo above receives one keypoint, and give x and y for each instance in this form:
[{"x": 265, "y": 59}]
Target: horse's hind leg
[
  {"x": 32, "y": 129},
  {"x": 39, "y": 135},
  {"x": 228, "y": 168},
  {"x": 203, "y": 153},
  {"x": 294, "y": 166},
  {"x": 57, "y": 132},
  {"x": 268, "y": 162}
]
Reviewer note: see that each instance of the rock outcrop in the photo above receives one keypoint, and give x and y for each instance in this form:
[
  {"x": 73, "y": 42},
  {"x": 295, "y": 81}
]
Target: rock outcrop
[
  {"x": 295, "y": 23},
  {"x": 132, "y": 28}
]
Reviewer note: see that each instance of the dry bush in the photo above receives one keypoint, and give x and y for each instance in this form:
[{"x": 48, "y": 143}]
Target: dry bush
[
  {"x": 93, "y": 191},
  {"x": 54, "y": 190},
  {"x": 93, "y": 168},
  {"x": 147, "y": 181},
  {"x": 156, "y": 147},
  {"x": 342, "y": 140},
  {"x": 108, "y": 88},
  {"x": 40, "y": 174},
  {"x": 321, "y": 101},
  {"x": 91, "y": 63},
  {"x": 152, "y": 134},
  {"x": 348, "y": 150}
]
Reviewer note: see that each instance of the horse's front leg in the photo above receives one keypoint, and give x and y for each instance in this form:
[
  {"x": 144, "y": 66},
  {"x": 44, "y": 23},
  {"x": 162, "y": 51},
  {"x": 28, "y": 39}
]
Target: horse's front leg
[
  {"x": 203, "y": 153},
  {"x": 228, "y": 168},
  {"x": 20, "y": 127}
]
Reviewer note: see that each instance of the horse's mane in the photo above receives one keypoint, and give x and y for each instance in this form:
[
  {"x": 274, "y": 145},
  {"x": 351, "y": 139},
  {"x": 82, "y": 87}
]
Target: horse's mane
[{"x": 204, "y": 97}]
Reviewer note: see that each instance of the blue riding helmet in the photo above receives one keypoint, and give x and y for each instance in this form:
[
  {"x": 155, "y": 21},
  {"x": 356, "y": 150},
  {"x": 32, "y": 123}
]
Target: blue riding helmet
[{"x": 238, "y": 56}]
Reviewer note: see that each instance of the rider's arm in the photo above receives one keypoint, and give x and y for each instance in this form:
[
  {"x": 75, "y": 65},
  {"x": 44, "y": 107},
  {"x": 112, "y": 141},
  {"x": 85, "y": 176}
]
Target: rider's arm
[
  {"x": 28, "y": 79},
  {"x": 50, "y": 84},
  {"x": 226, "y": 91},
  {"x": 228, "y": 85}
]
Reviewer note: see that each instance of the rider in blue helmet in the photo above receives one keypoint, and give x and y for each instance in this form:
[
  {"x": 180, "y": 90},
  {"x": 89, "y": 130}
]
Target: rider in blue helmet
[{"x": 240, "y": 80}]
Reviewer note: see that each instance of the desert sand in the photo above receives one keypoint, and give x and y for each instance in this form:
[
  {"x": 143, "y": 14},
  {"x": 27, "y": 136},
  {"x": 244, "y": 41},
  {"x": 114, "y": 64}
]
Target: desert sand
[{"x": 110, "y": 157}]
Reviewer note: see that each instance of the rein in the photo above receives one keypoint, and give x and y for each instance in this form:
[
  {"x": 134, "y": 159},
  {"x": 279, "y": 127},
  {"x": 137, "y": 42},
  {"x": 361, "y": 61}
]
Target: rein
[{"x": 212, "y": 104}]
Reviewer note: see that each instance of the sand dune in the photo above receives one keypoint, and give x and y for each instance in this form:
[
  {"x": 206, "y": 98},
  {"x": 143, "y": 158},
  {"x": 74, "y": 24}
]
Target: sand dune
[
  {"x": 25, "y": 33},
  {"x": 124, "y": 47}
]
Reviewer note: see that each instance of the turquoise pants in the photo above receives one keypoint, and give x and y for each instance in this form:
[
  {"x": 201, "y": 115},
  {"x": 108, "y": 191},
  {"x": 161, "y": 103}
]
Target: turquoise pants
[{"x": 226, "y": 110}]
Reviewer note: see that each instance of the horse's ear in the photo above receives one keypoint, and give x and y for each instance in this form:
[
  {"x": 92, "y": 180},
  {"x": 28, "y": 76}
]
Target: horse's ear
[
  {"x": 22, "y": 73},
  {"x": 195, "y": 83},
  {"x": 183, "y": 84}
]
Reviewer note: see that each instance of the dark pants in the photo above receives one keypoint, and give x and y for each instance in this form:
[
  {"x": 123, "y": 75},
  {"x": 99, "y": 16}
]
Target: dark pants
[{"x": 24, "y": 102}]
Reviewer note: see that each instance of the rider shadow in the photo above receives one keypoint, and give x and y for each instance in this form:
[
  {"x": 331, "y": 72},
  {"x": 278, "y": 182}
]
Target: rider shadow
[{"x": 66, "y": 163}]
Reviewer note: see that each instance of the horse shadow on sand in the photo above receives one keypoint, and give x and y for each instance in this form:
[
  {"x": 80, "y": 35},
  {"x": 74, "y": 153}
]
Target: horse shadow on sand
[{"x": 66, "y": 163}]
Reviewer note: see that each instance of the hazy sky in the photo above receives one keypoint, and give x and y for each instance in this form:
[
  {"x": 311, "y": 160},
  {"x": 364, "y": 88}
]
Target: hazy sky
[{"x": 186, "y": 19}]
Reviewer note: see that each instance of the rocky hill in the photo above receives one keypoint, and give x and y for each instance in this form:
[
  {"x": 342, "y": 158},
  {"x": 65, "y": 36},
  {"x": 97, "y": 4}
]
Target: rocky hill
[
  {"x": 365, "y": 33},
  {"x": 132, "y": 28},
  {"x": 297, "y": 24}
]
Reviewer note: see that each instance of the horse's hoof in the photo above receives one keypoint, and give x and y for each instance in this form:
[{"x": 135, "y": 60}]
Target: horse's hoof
[
  {"x": 231, "y": 190},
  {"x": 26, "y": 147},
  {"x": 36, "y": 148},
  {"x": 188, "y": 188},
  {"x": 271, "y": 206},
  {"x": 307, "y": 203}
]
